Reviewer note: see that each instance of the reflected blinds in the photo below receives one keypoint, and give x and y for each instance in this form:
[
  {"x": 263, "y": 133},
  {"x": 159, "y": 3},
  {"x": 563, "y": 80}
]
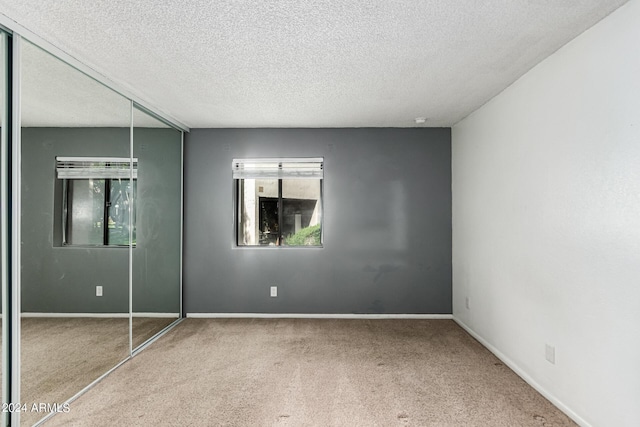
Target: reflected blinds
[
  {"x": 95, "y": 167},
  {"x": 300, "y": 168}
]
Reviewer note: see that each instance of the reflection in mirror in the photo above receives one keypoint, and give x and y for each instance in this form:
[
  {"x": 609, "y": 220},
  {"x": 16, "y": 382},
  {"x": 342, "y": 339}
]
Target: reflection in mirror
[
  {"x": 156, "y": 257},
  {"x": 76, "y": 190},
  {"x": 4, "y": 229}
]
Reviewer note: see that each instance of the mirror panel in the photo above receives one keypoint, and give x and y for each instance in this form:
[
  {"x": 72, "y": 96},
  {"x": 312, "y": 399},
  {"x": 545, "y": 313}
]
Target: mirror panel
[
  {"x": 157, "y": 255},
  {"x": 74, "y": 233}
]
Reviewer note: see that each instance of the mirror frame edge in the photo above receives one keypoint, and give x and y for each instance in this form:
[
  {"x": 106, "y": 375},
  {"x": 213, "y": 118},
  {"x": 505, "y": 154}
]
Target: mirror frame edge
[
  {"x": 14, "y": 343},
  {"x": 5, "y": 193}
]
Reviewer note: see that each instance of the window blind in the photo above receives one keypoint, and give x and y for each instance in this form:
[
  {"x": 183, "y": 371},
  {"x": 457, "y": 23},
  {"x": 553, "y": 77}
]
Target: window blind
[
  {"x": 95, "y": 167},
  {"x": 300, "y": 168}
]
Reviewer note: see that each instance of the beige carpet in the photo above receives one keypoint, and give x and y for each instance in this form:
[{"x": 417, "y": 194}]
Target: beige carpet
[
  {"x": 61, "y": 356},
  {"x": 293, "y": 372},
  {"x": 146, "y": 327}
]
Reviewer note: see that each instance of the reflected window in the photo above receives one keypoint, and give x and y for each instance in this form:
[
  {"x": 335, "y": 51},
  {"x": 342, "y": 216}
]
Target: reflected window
[
  {"x": 279, "y": 202},
  {"x": 97, "y": 201}
]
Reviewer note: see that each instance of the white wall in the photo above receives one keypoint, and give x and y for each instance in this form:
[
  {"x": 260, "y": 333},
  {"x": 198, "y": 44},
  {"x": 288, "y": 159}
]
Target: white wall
[{"x": 546, "y": 223}]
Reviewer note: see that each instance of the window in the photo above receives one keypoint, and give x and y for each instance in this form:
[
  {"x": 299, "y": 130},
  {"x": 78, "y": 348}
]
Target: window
[
  {"x": 97, "y": 200},
  {"x": 279, "y": 202}
]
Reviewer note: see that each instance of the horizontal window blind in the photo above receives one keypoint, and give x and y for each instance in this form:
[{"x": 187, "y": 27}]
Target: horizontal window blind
[
  {"x": 95, "y": 167},
  {"x": 300, "y": 168}
]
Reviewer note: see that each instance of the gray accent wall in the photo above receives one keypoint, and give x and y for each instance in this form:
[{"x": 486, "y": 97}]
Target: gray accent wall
[
  {"x": 57, "y": 279},
  {"x": 387, "y": 224}
]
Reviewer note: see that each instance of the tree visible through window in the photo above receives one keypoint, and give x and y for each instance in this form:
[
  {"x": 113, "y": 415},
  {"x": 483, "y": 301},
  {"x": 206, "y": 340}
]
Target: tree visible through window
[{"x": 279, "y": 202}]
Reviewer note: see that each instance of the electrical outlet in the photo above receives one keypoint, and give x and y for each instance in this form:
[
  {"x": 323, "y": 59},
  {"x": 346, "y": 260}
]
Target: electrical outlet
[
  {"x": 274, "y": 291},
  {"x": 550, "y": 354},
  {"x": 98, "y": 291},
  {"x": 466, "y": 302}
]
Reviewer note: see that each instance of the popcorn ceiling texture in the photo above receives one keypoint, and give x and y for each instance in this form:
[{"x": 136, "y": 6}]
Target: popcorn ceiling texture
[{"x": 311, "y": 63}]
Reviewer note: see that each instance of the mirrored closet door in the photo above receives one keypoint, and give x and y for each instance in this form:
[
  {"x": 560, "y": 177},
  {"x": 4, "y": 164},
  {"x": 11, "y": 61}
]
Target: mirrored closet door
[
  {"x": 78, "y": 224},
  {"x": 156, "y": 284}
]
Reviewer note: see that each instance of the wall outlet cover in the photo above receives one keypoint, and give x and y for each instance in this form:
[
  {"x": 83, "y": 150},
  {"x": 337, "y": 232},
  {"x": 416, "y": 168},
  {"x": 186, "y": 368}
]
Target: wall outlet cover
[
  {"x": 98, "y": 291},
  {"x": 274, "y": 291},
  {"x": 550, "y": 354}
]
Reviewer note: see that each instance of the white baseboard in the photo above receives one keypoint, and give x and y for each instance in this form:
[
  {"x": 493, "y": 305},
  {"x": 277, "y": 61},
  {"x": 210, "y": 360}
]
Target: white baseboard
[
  {"x": 100, "y": 315},
  {"x": 314, "y": 316},
  {"x": 522, "y": 374}
]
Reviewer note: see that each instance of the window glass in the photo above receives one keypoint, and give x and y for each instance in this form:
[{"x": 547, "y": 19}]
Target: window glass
[
  {"x": 87, "y": 201},
  {"x": 278, "y": 212},
  {"x": 301, "y": 212},
  {"x": 85, "y": 212},
  {"x": 120, "y": 197},
  {"x": 258, "y": 212}
]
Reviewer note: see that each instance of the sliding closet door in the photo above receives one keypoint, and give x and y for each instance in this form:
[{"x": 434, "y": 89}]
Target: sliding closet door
[
  {"x": 156, "y": 268},
  {"x": 78, "y": 218},
  {"x": 4, "y": 215}
]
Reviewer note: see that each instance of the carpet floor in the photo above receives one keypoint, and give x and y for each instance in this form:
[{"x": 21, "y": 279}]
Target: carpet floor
[
  {"x": 61, "y": 356},
  {"x": 146, "y": 327},
  {"x": 310, "y": 372}
]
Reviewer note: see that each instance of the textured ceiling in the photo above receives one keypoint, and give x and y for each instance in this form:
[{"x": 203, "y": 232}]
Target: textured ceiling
[
  {"x": 54, "y": 94},
  {"x": 311, "y": 63}
]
